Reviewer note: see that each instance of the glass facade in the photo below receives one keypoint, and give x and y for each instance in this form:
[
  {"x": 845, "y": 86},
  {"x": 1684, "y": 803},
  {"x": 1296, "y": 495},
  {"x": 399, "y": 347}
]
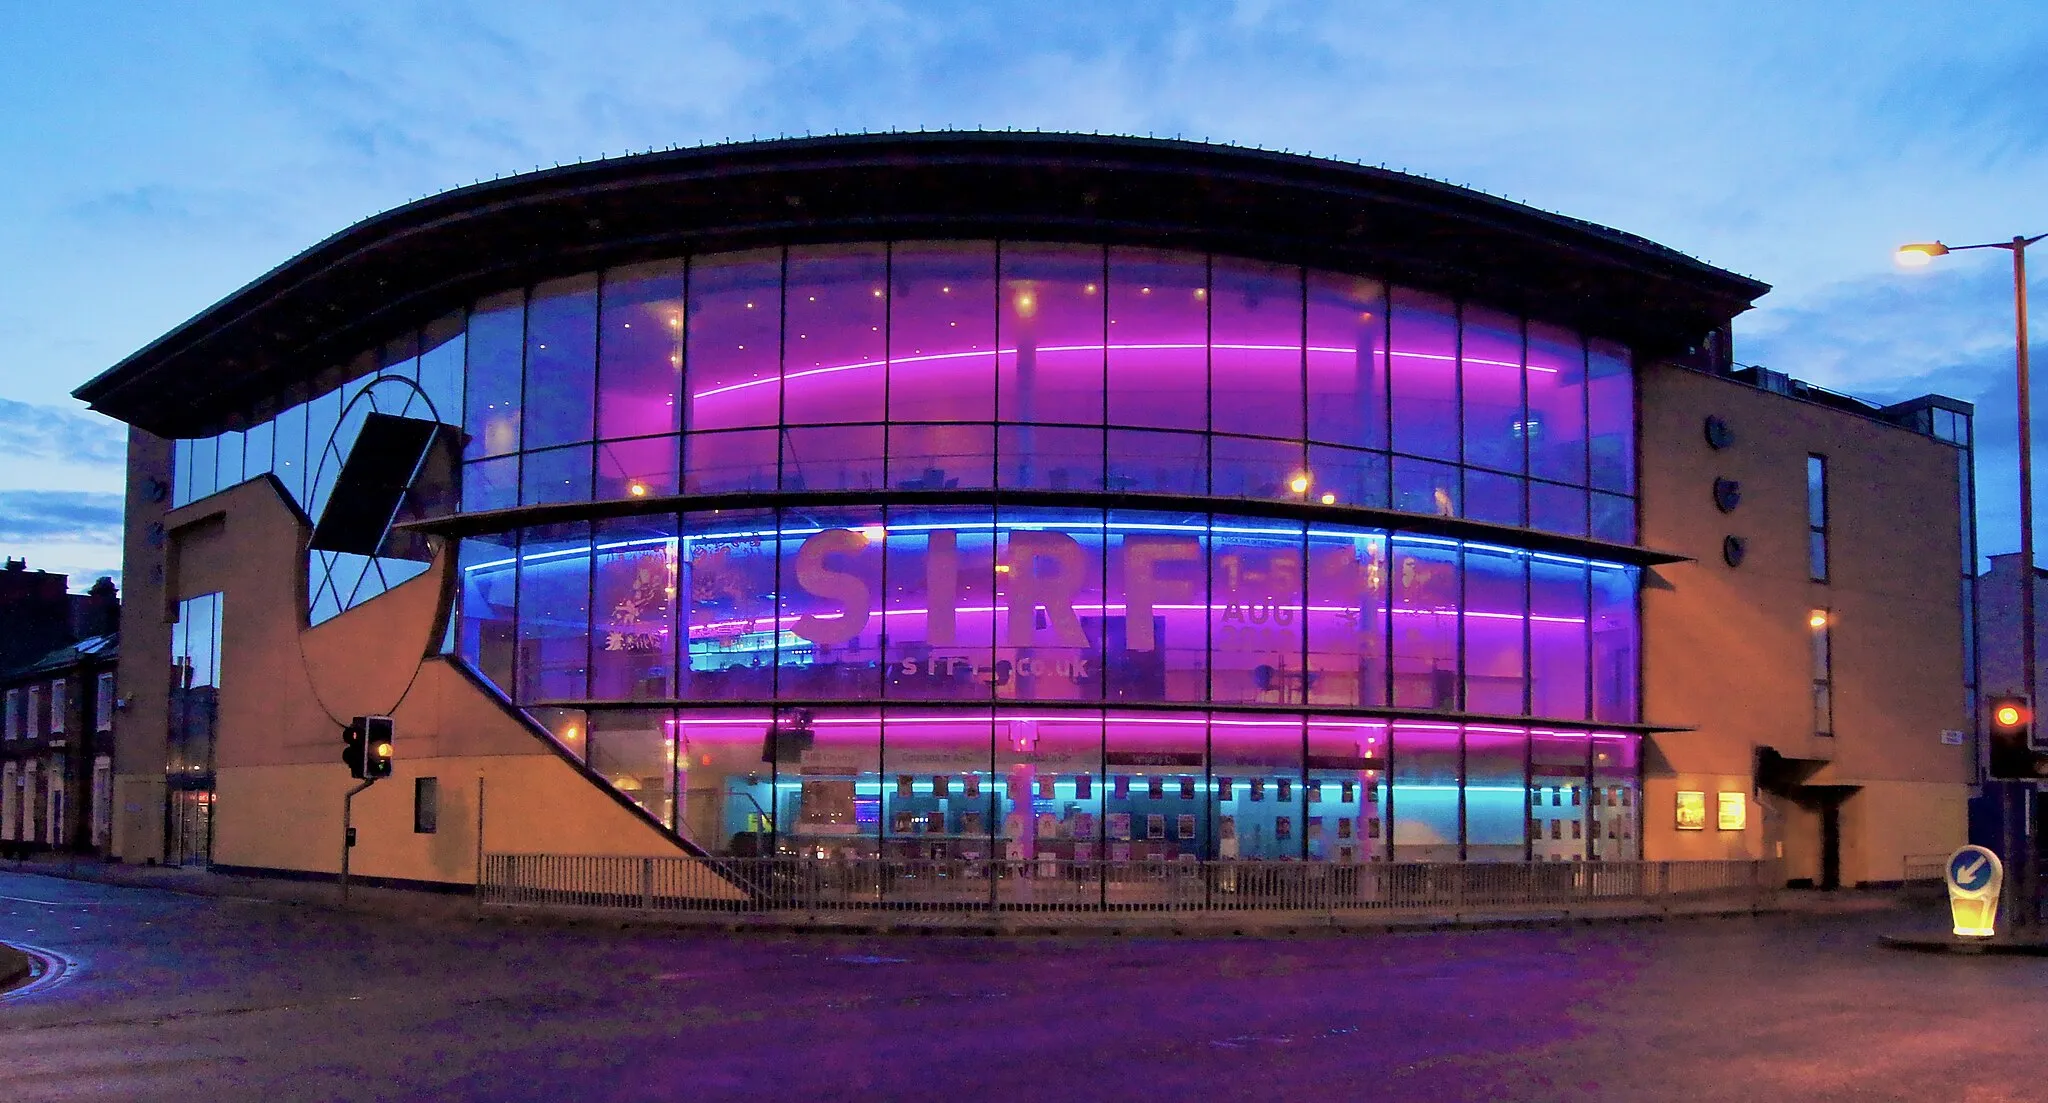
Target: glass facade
[{"x": 1113, "y": 675}]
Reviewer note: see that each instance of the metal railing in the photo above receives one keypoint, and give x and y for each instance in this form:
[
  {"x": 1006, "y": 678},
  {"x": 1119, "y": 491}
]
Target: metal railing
[{"x": 766, "y": 885}]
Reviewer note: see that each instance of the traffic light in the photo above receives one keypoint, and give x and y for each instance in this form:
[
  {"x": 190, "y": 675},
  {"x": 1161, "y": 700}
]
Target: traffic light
[
  {"x": 377, "y": 733},
  {"x": 352, "y": 746},
  {"x": 2012, "y": 740}
]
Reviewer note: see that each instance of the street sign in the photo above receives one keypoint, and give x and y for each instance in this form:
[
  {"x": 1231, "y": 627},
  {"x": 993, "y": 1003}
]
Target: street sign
[{"x": 1974, "y": 876}]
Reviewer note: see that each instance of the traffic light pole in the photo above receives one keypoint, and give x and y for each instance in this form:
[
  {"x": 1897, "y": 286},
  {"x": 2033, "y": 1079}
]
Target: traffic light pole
[{"x": 348, "y": 832}]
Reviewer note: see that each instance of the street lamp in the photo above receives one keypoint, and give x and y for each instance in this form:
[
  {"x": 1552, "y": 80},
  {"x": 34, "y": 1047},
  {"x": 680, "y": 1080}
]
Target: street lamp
[{"x": 1919, "y": 255}]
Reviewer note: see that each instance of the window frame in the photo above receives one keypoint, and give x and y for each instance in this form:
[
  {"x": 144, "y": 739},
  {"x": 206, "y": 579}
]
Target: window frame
[{"x": 1817, "y": 520}]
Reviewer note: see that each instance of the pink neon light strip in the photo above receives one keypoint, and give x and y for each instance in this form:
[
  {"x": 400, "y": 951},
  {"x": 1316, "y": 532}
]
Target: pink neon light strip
[{"x": 1159, "y": 347}]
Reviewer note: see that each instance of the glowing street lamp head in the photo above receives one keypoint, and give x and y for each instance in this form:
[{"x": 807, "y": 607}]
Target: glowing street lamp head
[
  {"x": 1918, "y": 255},
  {"x": 1817, "y": 619}
]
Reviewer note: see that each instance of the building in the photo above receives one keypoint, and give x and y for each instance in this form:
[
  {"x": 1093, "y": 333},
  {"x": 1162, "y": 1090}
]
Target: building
[
  {"x": 1038, "y": 497},
  {"x": 56, "y": 712}
]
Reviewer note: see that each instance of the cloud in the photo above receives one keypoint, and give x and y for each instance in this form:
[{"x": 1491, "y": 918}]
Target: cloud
[
  {"x": 54, "y": 433},
  {"x": 61, "y": 516}
]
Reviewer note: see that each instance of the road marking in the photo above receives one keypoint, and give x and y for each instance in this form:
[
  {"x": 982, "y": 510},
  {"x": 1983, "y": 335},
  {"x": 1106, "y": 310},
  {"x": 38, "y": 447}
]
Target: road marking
[{"x": 58, "y": 903}]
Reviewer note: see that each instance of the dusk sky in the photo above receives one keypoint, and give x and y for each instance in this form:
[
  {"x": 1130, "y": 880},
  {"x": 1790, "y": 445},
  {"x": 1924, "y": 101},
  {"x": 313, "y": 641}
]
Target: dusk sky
[{"x": 154, "y": 158}]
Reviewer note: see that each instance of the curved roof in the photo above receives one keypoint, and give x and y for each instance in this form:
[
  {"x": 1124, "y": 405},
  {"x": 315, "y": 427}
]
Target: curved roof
[{"x": 239, "y": 360}]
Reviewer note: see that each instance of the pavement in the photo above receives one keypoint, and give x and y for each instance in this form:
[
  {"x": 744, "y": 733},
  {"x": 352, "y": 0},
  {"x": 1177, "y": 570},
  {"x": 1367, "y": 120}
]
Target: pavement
[{"x": 167, "y": 995}]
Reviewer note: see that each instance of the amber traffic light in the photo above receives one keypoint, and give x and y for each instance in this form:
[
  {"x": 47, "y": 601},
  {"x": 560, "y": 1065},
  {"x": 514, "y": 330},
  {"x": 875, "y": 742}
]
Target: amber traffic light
[{"x": 2012, "y": 752}]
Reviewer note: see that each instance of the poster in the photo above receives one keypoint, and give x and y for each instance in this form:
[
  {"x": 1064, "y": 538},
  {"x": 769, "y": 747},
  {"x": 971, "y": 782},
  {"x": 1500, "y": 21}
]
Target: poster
[
  {"x": 1119, "y": 825},
  {"x": 1731, "y": 812},
  {"x": 1692, "y": 810}
]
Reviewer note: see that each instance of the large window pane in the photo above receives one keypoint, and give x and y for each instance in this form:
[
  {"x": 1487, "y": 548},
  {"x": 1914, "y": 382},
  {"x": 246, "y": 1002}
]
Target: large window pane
[
  {"x": 1425, "y": 588},
  {"x": 941, "y": 456},
  {"x": 1256, "y": 591},
  {"x": 1490, "y": 370},
  {"x": 1557, "y": 637},
  {"x": 1615, "y": 635},
  {"x": 1611, "y": 414},
  {"x": 828, "y": 781},
  {"x": 835, "y": 336},
  {"x": 290, "y": 444},
  {"x": 1347, "y": 616},
  {"x": 496, "y": 350},
  {"x": 490, "y": 484},
  {"x": 1049, "y": 457},
  {"x": 730, "y": 362},
  {"x": 1426, "y": 487},
  {"x": 1493, "y": 497},
  {"x": 1156, "y": 622},
  {"x": 1345, "y": 795},
  {"x": 1618, "y": 812},
  {"x": 633, "y": 650},
  {"x": 942, "y": 332},
  {"x": 556, "y": 475},
  {"x": 729, "y": 462},
  {"x": 554, "y": 613},
  {"x": 725, "y": 781},
  {"x": 937, "y": 793},
  {"x": 640, "y": 356},
  {"x": 1242, "y": 467},
  {"x": 636, "y": 468},
  {"x": 1051, "y": 365},
  {"x": 1425, "y": 375},
  {"x": 1347, "y": 476},
  {"x": 1554, "y": 508},
  {"x": 635, "y": 752},
  {"x": 1256, "y": 767},
  {"x": 832, "y": 457},
  {"x": 442, "y": 348},
  {"x": 1158, "y": 339},
  {"x": 942, "y": 612},
  {"x": 1496, "y": 808},
  {"x": 1255, "y": 359},
  {"x": 728, "y": 571},
  {"x": 1347, "y": 360},
  {"x": 1049, "y": 590},
  {"x": 1157, "y": 771},
  {"x": 831, "y": 583},
  {"x": 1558, "y": 792},
  {"x": 1157, "y": 462},
  {"x": 1425, "y": 799},
  {"x": 1557, "y": 405},
  {"x": 1049, "y": 775},
  {"x": 1496, "y": 609}
]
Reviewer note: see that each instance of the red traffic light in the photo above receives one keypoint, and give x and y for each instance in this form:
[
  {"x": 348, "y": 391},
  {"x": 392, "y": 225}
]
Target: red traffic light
[
  {"x": 2011, "y": 713},
  {"x": 2007, "y": 716}
]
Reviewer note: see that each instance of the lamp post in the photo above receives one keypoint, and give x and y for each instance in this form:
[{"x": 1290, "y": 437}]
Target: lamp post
[{"x": 2017, "y": 804}]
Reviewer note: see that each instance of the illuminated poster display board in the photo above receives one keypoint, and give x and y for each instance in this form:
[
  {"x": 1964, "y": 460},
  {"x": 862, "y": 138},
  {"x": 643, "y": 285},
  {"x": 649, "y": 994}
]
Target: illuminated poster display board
[{"x": 1692, "y": 810}]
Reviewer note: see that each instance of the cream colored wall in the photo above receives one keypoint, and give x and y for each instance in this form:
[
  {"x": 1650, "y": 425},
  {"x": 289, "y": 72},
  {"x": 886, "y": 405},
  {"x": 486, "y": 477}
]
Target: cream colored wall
[
  {"x": 1894, "y": 820},
  {"x": 289, "y": 817},
  {"x": 286, "y": 690},
  {"x": 1727, "y": 650}
]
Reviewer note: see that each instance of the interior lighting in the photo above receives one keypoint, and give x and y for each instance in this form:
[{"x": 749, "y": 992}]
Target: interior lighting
[
  {"x": 637, "y": 490},
  {"x": 1299, "y": 484},
  {"x": 1329, "y": 499},
  {"x": 1919, "y": 254}
]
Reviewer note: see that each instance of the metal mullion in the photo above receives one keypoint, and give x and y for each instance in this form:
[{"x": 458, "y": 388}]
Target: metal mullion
[
  {"x": 1586, "y": 811},
  {"x": 782, "y": 371},
  {"x": 1464, "y": 773},
  {"x": 1528, "y": 788}
]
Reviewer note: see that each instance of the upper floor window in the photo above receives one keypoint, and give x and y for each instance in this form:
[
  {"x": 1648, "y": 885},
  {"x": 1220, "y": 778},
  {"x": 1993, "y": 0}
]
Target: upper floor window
[
  {"x": 32, "y": 724},
  {"x": 1817, "y": 518},
  {"x": 12, "y": 722},
  {"x": 59, "y": 704},
  {"x": 103, "y": 703}
]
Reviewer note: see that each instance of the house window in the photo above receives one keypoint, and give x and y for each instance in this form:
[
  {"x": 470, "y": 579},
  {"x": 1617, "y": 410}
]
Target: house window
[
  {"x": 103, "y": 703},
  {"x": 1817, "y": 518},
  {"x": 59, "y": 702},
  {"x": 11, "y": 725},
  {"x": 1820, "y": 622},
  {"x": 426, "y": 805},
  {"x": 32, "y": 724}
]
